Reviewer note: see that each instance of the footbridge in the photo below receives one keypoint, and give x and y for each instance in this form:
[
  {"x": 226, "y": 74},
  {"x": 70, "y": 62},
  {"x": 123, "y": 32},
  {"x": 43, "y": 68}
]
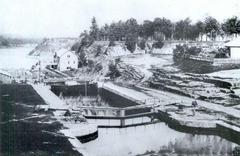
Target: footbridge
[{"x": 112, "y": 117}]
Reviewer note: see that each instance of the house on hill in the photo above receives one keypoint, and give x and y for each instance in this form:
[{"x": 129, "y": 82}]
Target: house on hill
[
  {"x": 234, "y": 47},
  {"x": 65, "y": 60}
]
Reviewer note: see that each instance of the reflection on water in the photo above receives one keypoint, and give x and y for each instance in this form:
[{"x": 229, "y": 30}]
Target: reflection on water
[
  {"x": 198, "y": 144},
  {"x": 158, "y": 139}
]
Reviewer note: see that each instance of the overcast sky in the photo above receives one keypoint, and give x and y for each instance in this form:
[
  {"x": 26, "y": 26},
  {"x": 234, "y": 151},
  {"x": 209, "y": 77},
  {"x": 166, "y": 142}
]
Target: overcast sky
[{"x": 62, "y": 18}]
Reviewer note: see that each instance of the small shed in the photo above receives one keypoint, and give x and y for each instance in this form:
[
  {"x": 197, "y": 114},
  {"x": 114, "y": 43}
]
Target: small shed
[
  {"x": 234, "y": 47},
  {"x": 66, "y": 60}
]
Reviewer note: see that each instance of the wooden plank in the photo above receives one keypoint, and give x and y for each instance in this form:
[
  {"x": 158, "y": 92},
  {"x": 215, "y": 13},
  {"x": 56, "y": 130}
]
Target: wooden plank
[
  {"x": 120, "y": 117},
  {"x": 129, "y": 125}
]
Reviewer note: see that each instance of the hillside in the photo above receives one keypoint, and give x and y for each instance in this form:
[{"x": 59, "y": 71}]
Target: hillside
[
  {"x": 48, "y": 47},
  {"x": 103, "y": 61},
  {"x": 154, "y": 69},
  {"x": 100, "y": 56},
  {"x": 119, "y": 64}
]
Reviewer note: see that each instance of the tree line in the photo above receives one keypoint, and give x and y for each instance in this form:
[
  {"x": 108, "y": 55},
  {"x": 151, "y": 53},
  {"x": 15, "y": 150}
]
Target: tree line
[
  {"x": 10, "y": 41},
  {"x": 164, "y": 29},
  {"x": 4, "y": 41}
]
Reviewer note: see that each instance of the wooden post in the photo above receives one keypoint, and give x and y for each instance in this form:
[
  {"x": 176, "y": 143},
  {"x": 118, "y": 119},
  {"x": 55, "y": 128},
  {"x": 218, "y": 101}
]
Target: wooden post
[
  {"x": 122, "y": 114},
  {"x": 39, "y": 71},
  {"x": 105, "y": 112}
]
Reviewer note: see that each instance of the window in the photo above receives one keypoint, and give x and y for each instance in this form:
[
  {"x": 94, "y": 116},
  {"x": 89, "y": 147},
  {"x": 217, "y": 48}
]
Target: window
[
  {"x": 68, "y": 62},
  {"x": 73, "y": 62},
  {"x": 68, "y": 56}
]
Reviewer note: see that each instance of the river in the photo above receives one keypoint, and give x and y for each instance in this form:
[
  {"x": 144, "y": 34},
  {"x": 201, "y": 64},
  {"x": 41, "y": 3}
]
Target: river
[{"x": 17, "y": 57}]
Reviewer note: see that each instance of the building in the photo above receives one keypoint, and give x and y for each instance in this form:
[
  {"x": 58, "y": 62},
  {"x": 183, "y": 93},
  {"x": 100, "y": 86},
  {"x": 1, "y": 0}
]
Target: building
[
  {"x": 65, "y": 60},
  {"x": 5, "y": 77},
  {"x": 234, "y": 47}
]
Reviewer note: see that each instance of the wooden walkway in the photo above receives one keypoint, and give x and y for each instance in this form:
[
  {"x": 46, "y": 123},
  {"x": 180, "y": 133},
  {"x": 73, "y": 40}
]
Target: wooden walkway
[
  {"x": 120, "y": 117},
  {"x": 123, "y": 121},
  {"x": 53, "y": 101}
]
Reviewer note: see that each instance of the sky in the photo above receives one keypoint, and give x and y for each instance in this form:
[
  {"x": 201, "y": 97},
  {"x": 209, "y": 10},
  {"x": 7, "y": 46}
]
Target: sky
[{"x": 68, "y": 18}]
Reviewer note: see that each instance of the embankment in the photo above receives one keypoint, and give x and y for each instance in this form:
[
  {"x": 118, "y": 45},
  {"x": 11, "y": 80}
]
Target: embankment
[
  {"x": 21, "y": 93},
  {"x": 219, "y": 130}
]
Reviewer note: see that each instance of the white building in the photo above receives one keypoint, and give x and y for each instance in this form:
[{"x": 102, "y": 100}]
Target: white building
[
  {"x": 65, "y": 60},
  {"x": 234, "y": 48},
  {"x": 5, "y": 77}
]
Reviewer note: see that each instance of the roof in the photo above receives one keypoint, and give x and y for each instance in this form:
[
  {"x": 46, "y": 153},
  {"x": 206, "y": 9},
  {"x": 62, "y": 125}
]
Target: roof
[
  {"x": 233, "y": 43},
  {"x": 61, "y": 52}
]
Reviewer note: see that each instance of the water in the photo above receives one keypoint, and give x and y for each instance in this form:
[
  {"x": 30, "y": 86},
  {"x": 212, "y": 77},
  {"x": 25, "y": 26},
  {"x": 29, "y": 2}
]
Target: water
[
  {"x": 156, "y": 139},
  {"x": 17, "y": 57}
]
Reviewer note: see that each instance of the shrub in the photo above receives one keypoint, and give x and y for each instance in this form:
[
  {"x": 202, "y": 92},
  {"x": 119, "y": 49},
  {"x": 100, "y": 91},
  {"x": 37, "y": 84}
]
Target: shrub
[
  {"x": 98, "y": 67},
  {"x": 142, "y": 44},
  {"x": 86, "y": 41},
  {"x": 117, "y": 60},
  {"x": 182, "y": 52},
  {"x": 159, "y": 44},
  {"x": 112, "y": 67},
  {"x": 113, "y": 71},
  {"x": 111, "y": 42},
  {"x": 223, "y": 53},
  {"x": 82, "y": 59},
  {"x": 178, "y": 53},
  {"x": 91, "y": 64},
  {"x": 98, "y": 51},
  {"x": 131, "y": 43},
  {"x": 193, "y": 50}
]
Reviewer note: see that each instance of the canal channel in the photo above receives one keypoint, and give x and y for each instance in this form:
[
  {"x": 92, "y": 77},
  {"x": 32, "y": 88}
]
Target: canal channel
[
  {"x": 19, "y": 120},
  {"x": 200, "y": 140}
]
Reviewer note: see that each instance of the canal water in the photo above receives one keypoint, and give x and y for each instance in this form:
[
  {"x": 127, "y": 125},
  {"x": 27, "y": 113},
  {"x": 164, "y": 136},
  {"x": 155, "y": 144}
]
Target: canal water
[{"x": 155, "y": 139}]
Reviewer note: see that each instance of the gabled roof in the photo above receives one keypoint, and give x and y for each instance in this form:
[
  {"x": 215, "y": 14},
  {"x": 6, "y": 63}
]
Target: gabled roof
[
  {"x": 61, "y": 52},
  {"x": 233, "y": 43}
]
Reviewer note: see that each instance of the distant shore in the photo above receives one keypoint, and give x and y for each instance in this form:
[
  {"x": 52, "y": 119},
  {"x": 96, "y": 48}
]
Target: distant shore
[{"x": 17, "y": 45}]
